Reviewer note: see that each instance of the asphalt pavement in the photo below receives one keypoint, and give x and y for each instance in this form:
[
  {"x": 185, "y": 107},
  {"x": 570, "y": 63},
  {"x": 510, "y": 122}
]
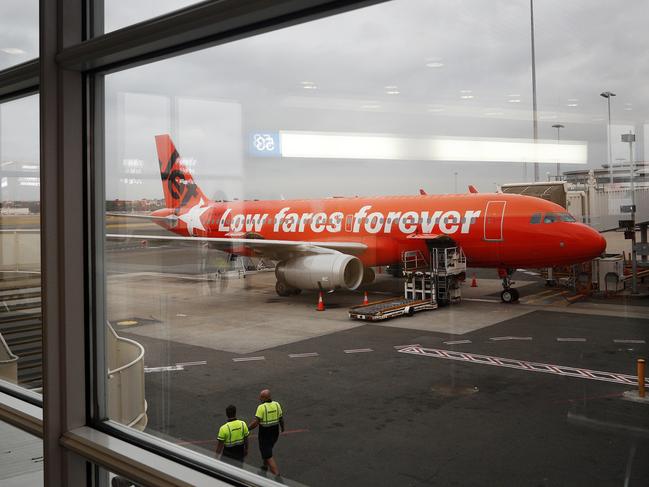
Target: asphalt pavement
[{"x": 361, "y": 412}]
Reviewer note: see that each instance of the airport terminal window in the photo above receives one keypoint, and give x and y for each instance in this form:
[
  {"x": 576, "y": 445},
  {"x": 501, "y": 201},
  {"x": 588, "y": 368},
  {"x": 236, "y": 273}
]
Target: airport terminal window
[
  {"x": 18, "y": 32},
  {"x": 20, "y": 279},
  {"x": 122, "y": 13},
  {"x": 233, "y": 276}
]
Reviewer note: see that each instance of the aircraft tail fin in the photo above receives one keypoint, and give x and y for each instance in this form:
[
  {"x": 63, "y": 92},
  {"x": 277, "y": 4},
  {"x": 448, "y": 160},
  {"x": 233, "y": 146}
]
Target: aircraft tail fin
[{"x": 178, "y": 185}]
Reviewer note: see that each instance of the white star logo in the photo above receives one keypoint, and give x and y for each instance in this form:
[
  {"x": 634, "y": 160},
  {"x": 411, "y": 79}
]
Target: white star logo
[{"x": 193, "y": 217}]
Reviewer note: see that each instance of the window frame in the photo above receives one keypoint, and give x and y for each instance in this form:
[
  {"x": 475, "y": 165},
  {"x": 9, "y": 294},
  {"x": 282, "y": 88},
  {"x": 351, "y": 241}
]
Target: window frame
[{"x": 74, "y": 55}]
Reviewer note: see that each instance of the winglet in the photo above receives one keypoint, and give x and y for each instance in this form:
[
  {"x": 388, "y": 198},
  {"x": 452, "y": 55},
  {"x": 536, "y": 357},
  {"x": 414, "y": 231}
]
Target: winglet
[
  {"x": 472, "y": 189},
  {"x": 422, "y": 192}
]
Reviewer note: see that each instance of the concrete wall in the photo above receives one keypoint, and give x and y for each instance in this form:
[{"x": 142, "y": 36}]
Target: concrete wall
[{"x": 20, "y": 250}]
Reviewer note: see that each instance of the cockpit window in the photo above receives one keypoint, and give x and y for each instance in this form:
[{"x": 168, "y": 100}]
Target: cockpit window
[
  {"x": 567, "y": 217},
  {"x": 550, "y": 218},
  {"x": 536, "y": 218},
  {"x": 556, "y": 217}
]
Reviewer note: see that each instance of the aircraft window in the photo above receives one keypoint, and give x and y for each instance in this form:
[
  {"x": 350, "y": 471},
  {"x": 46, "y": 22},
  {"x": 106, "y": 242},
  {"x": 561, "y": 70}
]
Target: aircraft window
[
  {"x": 550, "y": 218},
  {"x": 567, "y": 217},
  {"x": 536, "y": 218}
]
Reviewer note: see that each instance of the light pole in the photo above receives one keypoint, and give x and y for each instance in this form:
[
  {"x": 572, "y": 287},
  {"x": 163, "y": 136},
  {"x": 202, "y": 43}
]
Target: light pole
[
  {"x": 534, "y": 112},
  {"x": 608, "y": 95},
  {"x": 558, "y": 126},
  {"x": 630, "y": 138}
]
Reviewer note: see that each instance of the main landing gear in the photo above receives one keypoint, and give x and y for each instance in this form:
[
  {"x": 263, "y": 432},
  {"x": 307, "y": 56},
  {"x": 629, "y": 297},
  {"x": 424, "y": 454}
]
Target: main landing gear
[
  {"x": 284, "y": 290},
  {"x": 509, "y": 294}
]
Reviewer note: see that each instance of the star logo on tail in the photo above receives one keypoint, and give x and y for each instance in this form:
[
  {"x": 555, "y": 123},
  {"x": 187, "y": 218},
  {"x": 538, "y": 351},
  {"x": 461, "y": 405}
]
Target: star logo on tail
[{"x": 192, "y": 217}]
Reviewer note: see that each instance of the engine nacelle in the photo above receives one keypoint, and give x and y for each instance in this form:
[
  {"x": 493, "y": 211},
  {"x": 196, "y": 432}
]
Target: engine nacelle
[{"x": 330, "y": 271}]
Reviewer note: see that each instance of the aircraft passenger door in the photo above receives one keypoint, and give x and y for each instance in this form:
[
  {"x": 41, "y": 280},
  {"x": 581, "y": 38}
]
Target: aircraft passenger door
[
  {"x": 349, "y": 223},
  {"x": 494, "y": 220}
]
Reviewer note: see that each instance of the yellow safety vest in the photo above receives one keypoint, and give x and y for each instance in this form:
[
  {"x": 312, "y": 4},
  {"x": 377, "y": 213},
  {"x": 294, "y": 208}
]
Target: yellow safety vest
[
  {"x": 233, "y": 433},
  {"x": 269, "y": 413}
]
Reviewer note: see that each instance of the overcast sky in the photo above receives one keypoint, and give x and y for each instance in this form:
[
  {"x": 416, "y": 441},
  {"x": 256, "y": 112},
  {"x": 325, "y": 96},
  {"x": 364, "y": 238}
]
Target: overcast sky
[{"x": 456, "y": 65}]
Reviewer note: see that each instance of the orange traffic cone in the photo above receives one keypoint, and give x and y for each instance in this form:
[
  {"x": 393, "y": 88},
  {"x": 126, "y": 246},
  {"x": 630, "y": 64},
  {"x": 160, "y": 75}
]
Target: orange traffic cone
[
  {"x": 320, "y": 306},
  {"x": 365, "y": 300},
  {"x": 474, "y": 281}
]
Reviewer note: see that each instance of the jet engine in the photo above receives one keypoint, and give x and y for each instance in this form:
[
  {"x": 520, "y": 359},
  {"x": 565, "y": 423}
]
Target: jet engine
[{"x": 326, "y": 271}]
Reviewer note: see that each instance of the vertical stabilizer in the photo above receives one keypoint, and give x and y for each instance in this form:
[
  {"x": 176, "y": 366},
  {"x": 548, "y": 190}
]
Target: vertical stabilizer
[{"x": 178, "y": 185}]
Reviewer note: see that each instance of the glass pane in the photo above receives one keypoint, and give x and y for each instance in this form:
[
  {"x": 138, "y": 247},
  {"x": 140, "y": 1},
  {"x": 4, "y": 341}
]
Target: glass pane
[
  {"x": 122, "y": 13},
  {"x": 340, "y": 212},
  {"x": 20, "y": 279},
  {"x": 21, "y": 458},
  {"x": 18, "y": 32}
]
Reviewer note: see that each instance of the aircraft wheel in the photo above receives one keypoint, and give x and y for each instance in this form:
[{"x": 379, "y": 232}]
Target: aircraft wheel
[
  {"x": 282, "y": 289},
  {"x": 507, "y": 296},
  {"x": 297, "y": 291},
  {"x": 515, "y": 294}
]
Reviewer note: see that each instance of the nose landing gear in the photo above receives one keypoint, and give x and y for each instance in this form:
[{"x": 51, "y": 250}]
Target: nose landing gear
[{"x": 509, "y": 294}]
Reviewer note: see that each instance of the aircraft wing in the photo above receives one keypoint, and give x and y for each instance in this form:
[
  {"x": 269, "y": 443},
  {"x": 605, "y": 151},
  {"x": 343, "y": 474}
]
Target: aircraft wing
[
  {"x": 141, "y": 216},
  {"x": 272, "y": 249}
]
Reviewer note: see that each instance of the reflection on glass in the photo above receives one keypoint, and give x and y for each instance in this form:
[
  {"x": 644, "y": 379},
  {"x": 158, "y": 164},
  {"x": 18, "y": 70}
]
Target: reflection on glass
[
  {"x": 355, "y": 154},
  {"x": 21, "y": 458},
  {"x": 18, "y": 32},
  {"x": 122, "y": 13},
  {"x": 20, "y": 279}
]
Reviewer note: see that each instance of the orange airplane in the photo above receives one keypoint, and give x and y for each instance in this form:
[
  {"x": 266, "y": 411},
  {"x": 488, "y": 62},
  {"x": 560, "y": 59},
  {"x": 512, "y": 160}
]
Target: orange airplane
[{"x": 333, "y": 243}]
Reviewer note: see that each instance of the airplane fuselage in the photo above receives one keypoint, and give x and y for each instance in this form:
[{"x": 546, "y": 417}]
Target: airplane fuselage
[{"x": 494, "y": 229}]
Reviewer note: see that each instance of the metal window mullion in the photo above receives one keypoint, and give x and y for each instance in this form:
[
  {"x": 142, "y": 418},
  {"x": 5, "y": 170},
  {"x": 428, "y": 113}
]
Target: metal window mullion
[
  {"x": 63, "y": 278},
  {"x": 19, "y": 80},
  {"x": 196, "y": 26}
]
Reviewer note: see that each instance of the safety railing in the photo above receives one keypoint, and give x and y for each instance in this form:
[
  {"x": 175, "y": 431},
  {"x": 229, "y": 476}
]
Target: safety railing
[
  {"x": 126, "y": 399},
  {"x": 8, "y": 363}
]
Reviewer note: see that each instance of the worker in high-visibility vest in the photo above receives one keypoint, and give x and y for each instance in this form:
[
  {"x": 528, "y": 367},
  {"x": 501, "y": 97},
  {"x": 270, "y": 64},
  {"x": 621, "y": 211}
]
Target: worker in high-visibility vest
[
  {"x": 270, "y": 418},
  {"x": 233, "y": 436}
]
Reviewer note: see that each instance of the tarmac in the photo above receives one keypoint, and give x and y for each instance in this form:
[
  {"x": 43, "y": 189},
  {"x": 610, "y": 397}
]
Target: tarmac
[{"x": 363, "y": 405}]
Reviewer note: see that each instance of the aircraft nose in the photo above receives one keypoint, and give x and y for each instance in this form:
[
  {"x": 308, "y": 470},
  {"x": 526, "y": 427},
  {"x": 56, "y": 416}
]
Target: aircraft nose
[
  {"x": 596, "y": 243},
  {"x": 601, "y": 244}
]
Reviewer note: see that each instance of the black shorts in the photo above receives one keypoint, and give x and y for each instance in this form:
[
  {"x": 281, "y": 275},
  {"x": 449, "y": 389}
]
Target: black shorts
[
  {"x": 236, "y": 453},
  {"x": 267, "y": 438}
]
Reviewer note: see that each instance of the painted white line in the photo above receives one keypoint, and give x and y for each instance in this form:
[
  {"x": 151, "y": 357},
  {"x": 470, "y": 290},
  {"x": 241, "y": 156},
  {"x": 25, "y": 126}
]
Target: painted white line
[
  {"x": 167, "y": 368},
  {"x": 359, "y": 350},
  {"x": 629, "y": 341},
  {"x": 248, "y": 359},
  {"x": 498, "y": 339},
  {"x": 181, "y": 315},
  {"x": 560, "y": 339},
  {"x": 404, "y": 346},
  {"x": 481, "y": 300},
  {"x": 457, "y": 342},
  {"x": 187, "y": 364},
  {"x": 301, "y": 355},
  {"x": 509, "y": 363}
]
